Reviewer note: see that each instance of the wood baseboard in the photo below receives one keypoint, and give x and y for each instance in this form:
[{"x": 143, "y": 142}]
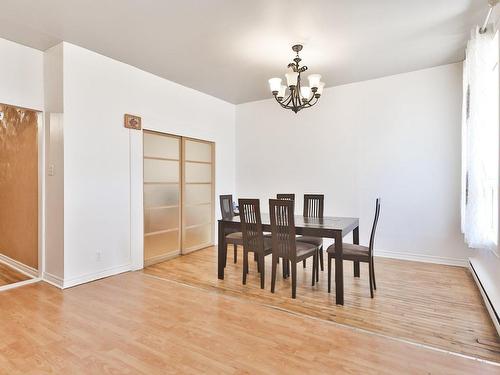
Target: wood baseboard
[
  {"x": 18, "y": 266},
  {"x": 53, "y": 280},
  {"x": 422, "y": 258},
  {"x": 74, "y": 281}
]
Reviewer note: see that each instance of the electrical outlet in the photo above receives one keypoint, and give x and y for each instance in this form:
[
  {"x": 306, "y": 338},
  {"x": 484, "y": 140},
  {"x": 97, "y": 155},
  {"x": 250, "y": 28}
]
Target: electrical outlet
[{"x": 52, "y": 169}]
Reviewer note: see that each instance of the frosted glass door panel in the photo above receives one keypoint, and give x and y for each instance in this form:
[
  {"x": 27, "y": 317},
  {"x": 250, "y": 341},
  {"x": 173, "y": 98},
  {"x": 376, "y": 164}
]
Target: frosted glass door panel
[
  {"x": 198, "y": 151},
  {"x": 197, "y": 236},
  {"x": 158, "y": 244},
  {"x": 160, "y": 219},
  {"x": 160, "y": 195},
  {"x": 197, "y": 194},
  {"x": 198, "y": 172},
  {"x": 156, "y": 170},
  {"x": 198, "y": 198},
  {"x": 162, "y": 192},
  {"x": 160, "y": 146},
  {"x": 197, "y": 215}
]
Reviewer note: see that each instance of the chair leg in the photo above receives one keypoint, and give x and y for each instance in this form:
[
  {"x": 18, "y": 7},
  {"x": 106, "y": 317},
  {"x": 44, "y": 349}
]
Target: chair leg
[
  {"x": 285, "y": 270},
  {"x": 294, "y": 279},
  {"x": 329, "y": 272},
  {"x": 273, "y": 272},
  {"x": 356, "y": 268},
  {"x": 372, "y": 265},
  {"x": 235, "y": 253},
  {"x": 315, "y": 264},
  {"x": 245, "y": 266},
  {"x": 304, "y": 263},
  {"x": 321, "y": 257},
  {"x": 370, "y": 271},
  {"x": 262, "y": 271}
]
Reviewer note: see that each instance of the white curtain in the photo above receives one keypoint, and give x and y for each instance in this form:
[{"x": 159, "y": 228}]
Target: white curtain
[{"x": 480, "y": 140}]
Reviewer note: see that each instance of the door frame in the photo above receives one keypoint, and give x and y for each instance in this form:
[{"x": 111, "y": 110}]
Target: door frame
[
  {"x": 136, "y": 157},
  {"x": 34, "y": 274}
]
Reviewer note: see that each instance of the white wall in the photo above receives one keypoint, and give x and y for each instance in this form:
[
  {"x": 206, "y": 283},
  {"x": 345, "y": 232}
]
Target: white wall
[
  {"x": 103, "y": 160},
  {"x": 21, "y": 71},
  {"x": 396, "y": 137},
  {"x": 54, "y": 162}
]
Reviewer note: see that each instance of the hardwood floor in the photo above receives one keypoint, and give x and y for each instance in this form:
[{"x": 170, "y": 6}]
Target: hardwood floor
[
  {"x": 137, "y": 324},
  {"x": 429, "y": 304},
  {"x": 8, "y": 275}
]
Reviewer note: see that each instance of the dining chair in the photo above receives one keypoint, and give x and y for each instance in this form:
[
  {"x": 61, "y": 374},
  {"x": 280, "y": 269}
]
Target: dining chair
[
  {"x": 227, "y": 212},
  {"x": 253, "y": 237},
  {"x": 284, "y": 242},
  {"x": 313, "y": 208},
  {"x": 358, "y": 253}
]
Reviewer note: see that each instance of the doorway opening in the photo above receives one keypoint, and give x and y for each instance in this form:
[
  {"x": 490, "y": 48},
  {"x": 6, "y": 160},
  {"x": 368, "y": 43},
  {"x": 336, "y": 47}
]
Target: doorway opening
[{"x": 20, "y": 187}]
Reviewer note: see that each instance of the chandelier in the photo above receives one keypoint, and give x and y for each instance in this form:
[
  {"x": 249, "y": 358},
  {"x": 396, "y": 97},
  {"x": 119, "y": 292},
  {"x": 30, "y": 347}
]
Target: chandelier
[{"x": 297, "y": 97}]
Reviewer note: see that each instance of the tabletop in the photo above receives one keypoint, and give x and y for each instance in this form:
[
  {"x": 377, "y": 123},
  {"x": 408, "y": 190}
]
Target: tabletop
[{"x": 344, "y": 224}]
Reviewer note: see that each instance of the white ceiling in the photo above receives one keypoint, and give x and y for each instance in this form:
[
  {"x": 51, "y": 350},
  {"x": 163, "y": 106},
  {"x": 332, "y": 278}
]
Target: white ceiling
[{"x": 229, "y": 48}]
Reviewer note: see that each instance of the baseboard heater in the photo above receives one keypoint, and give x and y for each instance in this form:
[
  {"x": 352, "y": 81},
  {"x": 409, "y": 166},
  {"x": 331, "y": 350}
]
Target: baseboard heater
[{"x": 487, "y": 288}]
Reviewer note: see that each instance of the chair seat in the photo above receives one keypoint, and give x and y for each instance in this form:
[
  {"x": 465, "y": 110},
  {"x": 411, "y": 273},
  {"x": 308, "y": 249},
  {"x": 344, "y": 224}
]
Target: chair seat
[
  {"x": 235, "y": 238},
  {"x": 318, "y": 241},
  {"x": 305, "y": 250},
  {"x": 351, "y": 251}
]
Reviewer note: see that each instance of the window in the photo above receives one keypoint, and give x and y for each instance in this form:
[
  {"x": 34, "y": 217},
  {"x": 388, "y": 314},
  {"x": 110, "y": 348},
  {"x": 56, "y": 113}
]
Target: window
[{"x": 480, "y": 142}]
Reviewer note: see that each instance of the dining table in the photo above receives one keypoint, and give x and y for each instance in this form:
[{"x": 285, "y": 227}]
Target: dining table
[{"x": 326, "y": 227}]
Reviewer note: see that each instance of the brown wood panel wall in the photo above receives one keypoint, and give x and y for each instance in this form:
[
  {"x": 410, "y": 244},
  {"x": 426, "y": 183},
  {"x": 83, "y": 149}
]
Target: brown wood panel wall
[{"x": 19, "y": 185}]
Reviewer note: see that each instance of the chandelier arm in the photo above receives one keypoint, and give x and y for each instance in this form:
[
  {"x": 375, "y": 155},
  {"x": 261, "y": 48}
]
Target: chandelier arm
[
  {"x": 284, "y": 105},
  {"x": 310, "y": 102}
]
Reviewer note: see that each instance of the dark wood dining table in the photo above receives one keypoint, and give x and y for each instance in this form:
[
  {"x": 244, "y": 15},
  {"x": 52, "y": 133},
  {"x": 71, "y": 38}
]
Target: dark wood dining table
[{"x": 326, "y": 227}]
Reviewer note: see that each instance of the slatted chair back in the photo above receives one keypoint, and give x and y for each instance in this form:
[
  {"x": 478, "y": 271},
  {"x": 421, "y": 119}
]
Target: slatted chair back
[
  {"x": 313, "y": 205},
  {"x": 374, "y": 227},
  {"x": 290, "y": 197},
  {"x": 251, "y": 225},
  {"x": 226, "y": 206},
  {"x": 283, "y": 228}
]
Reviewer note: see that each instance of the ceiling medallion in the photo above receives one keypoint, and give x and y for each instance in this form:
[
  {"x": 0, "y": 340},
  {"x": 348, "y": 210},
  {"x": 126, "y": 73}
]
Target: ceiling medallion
[{"x": 297, "y": 97}]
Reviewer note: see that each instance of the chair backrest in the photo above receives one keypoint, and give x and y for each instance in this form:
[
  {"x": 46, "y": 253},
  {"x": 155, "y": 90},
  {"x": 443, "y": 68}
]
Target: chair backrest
[
  {"x": 283, "y": 228},
  {"x": 226, "y": 206},
  {"x": 313, "y": 205},
  {"x": 374, "y": 227},
  {"x": 290, "y": 197},
  {"x": 251, "y": 225}
]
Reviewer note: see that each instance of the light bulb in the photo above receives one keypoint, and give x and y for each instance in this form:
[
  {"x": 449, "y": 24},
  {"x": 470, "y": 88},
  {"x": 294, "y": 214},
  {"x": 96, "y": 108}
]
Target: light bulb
[
  {"x": 314, "y": 80},
  {"x": 275, "y": 85},
  {"x": 291, "y": 78},
  {"x": 281, "y": 92},
  {"x": 321, "y": 85},
  {"x": 305, "y": 91}
]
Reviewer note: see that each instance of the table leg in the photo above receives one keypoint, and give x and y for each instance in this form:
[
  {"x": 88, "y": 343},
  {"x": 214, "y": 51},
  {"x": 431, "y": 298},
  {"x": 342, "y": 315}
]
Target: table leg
[
  {"x": 221, "y": 251},
  {"x": 339, "y": 271},
  {"x": 355, "y": 240}
]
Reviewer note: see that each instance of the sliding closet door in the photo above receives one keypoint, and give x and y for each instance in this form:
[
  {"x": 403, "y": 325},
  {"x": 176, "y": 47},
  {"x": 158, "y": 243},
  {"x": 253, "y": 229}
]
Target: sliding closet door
[
  {"x": 162, "y": 190},
  {"x": 198, "y": 197}
]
